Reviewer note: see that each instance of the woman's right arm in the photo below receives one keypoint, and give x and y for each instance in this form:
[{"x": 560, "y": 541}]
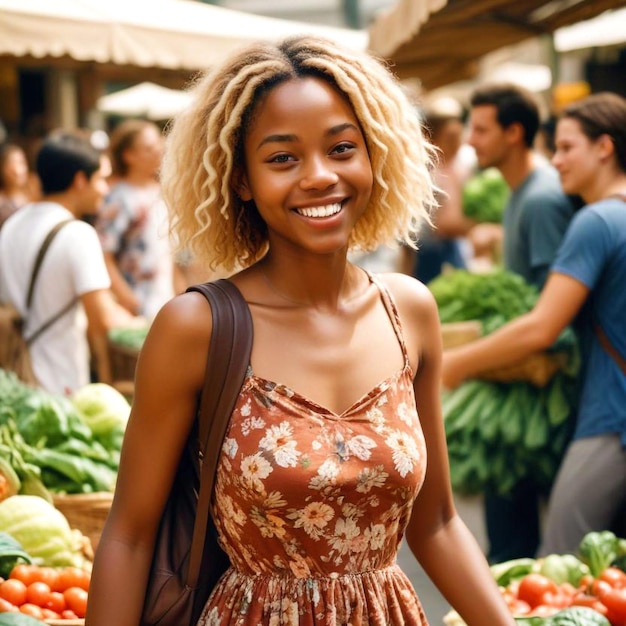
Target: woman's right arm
[{"x": 169, "y": 377}]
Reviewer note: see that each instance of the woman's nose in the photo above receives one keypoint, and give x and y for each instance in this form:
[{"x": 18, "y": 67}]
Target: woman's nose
[{"x": 318, "y": 174}]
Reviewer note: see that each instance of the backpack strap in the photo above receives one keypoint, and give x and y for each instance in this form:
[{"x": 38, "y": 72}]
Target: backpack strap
[
  {"x": 33, "y": 279},
  {"x": 39, "y": 259},
  {"x": 609, "y": 348}
]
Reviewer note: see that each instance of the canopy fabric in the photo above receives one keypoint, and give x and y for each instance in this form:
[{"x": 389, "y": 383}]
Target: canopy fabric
[
  {"x": 169, "y": 34},
  {"x": 440, "y": 41},
  {"x": 148, "y": 100}
]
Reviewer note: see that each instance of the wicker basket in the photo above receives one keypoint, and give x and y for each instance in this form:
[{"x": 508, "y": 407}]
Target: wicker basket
[
  {"x": 85, "y": 512},
  {"x": 123, "y": 361},
  {"x": 537, "y": 369},
  {"x": 456, "y": 334}
]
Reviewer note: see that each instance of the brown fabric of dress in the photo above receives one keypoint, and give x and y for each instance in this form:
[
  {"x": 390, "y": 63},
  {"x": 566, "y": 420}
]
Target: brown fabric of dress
[{"x": 311, "y": 506}]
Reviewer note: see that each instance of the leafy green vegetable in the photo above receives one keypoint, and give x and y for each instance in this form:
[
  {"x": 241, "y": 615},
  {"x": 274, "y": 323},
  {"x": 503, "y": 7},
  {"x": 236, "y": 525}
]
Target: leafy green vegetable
[
  {"x": 11, "y": 553},
  {"x": 42, "y": 530},
  {"x": 507, "y": 571},
  {"x": 501, "y": 433},
  {"x": 103, "y": 408},
  {"x": 571, "y": 616},
  {"x": 48, "y": 444},
  {"x": 498, "y": 295},
  {"x": 598, "y": 550},
  {"x": 563, "y": 568},
  {"x": 19, "y": 619},
  {"x": 485, "y": 195}
]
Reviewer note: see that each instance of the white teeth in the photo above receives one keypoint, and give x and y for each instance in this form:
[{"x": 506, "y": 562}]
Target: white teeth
[{"x": 320, "y": 211}]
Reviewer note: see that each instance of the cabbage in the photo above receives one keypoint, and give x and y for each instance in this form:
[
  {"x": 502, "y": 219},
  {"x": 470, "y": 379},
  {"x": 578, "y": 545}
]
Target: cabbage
[
  {"x": 42, "y": 530},
  {"x": 103, "y": 408}
]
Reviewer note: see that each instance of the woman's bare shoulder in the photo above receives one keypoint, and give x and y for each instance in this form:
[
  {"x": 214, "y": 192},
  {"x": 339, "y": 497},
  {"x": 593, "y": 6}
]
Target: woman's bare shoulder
[
  {"x": 187, "y": 315},
  {"x": 408, "y": 293}
]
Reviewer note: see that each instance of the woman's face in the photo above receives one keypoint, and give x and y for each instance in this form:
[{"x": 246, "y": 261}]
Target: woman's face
[
  {"x": 307, "y": 166},
  {"x": 15, "y": 170},
  {"x": 577, "y": 158},
  {"x": 145, "y": 154}
]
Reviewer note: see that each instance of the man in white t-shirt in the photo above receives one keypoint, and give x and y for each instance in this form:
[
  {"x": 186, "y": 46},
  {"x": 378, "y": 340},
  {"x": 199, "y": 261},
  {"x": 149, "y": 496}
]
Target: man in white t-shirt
[{"x": 73, "y": 179}]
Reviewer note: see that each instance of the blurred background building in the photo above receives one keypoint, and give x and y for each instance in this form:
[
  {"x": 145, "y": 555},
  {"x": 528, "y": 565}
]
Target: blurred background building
[{"x": 60, "y": 60}]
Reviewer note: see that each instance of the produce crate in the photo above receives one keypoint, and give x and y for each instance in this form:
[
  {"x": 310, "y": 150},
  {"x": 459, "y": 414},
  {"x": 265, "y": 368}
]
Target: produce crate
[
  {"x": 64, "y": 622},
  {"x": 85, "y": 512}
]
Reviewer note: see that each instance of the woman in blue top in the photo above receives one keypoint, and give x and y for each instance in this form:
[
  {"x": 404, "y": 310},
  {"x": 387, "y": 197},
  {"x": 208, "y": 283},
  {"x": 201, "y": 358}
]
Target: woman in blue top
[{"x": 585, "y": 287}]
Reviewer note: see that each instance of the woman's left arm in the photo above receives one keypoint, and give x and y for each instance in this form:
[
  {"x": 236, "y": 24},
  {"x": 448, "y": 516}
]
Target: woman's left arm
[
  {"x": 437, "y": 536},
  {"x": 560, "y": 300}
]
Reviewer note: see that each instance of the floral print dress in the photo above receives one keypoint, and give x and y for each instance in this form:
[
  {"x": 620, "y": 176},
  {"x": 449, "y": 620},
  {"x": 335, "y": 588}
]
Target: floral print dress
[{"x": 311, "y": 506}]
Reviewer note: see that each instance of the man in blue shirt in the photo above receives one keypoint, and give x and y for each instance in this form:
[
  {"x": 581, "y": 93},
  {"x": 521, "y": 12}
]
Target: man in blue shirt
[{"x": 504, "y": 120}]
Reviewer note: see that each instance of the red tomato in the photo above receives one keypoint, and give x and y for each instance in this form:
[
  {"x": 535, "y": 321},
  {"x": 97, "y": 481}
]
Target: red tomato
[
  {"x": 614, "y": 576},
  {"x": 14, "y": 591},
  {"x": 533, "y": 588},
  {"x": 67, "y": 614},
  {"x": 568, "y": 589},
  {"x": 543, "y": 610},
  {"x": 615, "y": 602},
  {"x": 32, "y": 609},
  {"x": 600, "y": 588},
  {"x": 50, "y": 614},
  {"x": 38, "y": 593},
  {"x": 76, "y": 599},
  {"x": 559, "y": 600},
  {"x": 583, "y": 599},
  {"x": 518, "y": 607},
  {"x": 615, "y": 619},
  {"x": 56, "y": 602},
  {"x": 24, "y": 572},
  {"x": 6, "y": 606},
  {"x": 72, "y": 577},
  {"x": 48, "y": 575}
]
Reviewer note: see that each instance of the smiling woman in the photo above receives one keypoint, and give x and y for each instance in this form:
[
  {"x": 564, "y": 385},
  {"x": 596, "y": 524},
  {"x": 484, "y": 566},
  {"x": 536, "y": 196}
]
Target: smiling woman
[{"x": 290, "y": 156}]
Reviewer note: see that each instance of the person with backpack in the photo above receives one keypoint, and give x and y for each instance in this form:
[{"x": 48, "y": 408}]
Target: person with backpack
[{"x": 71, "y": 294}]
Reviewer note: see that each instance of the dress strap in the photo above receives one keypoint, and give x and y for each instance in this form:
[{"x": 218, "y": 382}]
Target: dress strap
[{"x": 392, "y": 311}]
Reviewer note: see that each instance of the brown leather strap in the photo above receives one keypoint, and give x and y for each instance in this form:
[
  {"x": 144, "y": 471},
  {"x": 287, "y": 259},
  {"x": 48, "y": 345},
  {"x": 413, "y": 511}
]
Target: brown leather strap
[
  {"x": 227, "y": 363},
  {"x": 39, "y": 259},
  {"x": 605, "y": 342},
  {"x": 31, "y": 288}
]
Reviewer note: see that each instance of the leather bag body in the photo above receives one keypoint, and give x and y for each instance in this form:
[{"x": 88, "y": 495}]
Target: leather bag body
[{"x": 187, "y": 560}]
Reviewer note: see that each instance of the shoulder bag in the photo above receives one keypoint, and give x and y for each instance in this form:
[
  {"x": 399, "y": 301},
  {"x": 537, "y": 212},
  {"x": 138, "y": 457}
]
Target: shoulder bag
[{"x": 188, "y": 560}]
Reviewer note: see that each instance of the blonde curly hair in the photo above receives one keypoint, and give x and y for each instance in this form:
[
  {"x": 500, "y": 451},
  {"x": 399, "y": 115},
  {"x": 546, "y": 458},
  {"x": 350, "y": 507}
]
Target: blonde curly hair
[{"x": 204, "y": 150}]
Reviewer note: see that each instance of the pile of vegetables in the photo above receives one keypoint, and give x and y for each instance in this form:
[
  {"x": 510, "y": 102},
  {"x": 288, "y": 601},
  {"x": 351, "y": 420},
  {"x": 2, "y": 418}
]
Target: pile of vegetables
[
  {"x": 500, "y": 433},
  {"x": 44, "y": 564},
  {"x": 587, "y": 589},
  {"x": 485, "y": 195},
  {"x": 49, "y": 443},
  {"x": 43, "y": 593}
]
